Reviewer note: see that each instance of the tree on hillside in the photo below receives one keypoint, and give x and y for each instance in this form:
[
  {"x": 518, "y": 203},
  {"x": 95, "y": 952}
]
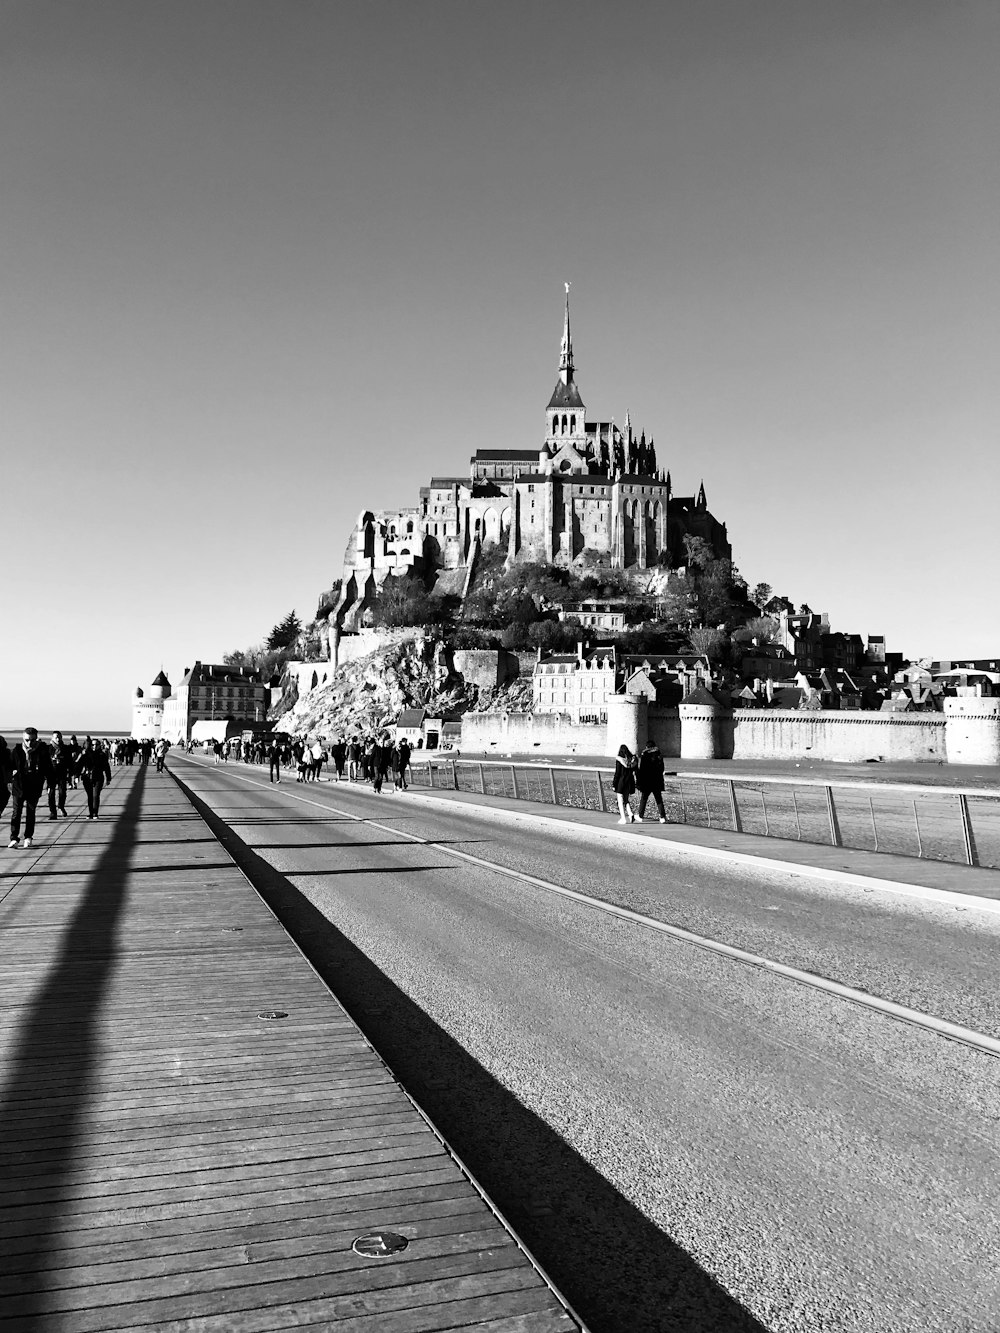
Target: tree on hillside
[
  {"x": 285, "y": 632},
  {"x": 761, "y": 595},
  {"x": 678, "y": 600},
  {"x": 711, "y": 642},
  {"x": 698, "y": 552},
  {"x": 402, "y": 602},
  {"x": 762, "y": 628}
]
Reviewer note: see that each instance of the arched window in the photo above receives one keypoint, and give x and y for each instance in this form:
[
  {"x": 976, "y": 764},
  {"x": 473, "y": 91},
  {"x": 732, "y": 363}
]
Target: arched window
[
  {"x": 572, "y": 425},
  {"x": 564, "y": 424}
]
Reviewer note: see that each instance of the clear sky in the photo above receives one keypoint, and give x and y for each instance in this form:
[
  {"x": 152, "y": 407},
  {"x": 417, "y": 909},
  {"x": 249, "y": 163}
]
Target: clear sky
[{"x": 265, "y": 264}]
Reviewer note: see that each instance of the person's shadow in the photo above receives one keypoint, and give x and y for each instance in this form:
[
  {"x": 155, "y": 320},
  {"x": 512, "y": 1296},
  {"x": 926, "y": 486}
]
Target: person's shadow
[{"x": 53, "y": 1061}]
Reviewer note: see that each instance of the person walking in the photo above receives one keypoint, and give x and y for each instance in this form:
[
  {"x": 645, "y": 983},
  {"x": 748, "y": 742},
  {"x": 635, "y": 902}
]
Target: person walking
[
  {"x": 403, "y": 761},
  {"x": 30, "y": 769},
  {"x": 624, "y": 783},
  {"x": 95, "y": 774},
  {"x": 381, "y": 759},
  {"x": 6, "y": 773},
  {"x": 59, "y": 757},
  {"x": 353, "y": 759},
  {"x": 274, "y": 761},
  {"x": 649, "y": 780},
  {"x": 162, "y": 746},
  {"x": 75, "y": 751},
  {"x": 338, "y": 753}
]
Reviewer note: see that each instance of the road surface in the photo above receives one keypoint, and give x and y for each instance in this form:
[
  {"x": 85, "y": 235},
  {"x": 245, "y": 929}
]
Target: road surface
[{"x": 686, "y": 1142}]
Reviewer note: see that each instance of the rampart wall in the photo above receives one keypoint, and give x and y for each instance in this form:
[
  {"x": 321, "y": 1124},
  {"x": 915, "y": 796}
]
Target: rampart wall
[
  {"x": 840, "y": 737},
  {"x": 523, "y": 733},
  {"x": 967, "y": 732}
]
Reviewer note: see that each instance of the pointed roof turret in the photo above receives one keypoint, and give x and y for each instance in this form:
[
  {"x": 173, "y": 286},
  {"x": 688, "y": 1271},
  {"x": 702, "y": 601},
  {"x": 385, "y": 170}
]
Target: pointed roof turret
[
  {"x": 701, "y": 502},
  {"x": 566, "y": 348},
  {"x": 566, "y": 394}
]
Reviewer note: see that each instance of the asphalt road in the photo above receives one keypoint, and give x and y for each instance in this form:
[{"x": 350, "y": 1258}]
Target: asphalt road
[{"x": 684, "y": 1141}]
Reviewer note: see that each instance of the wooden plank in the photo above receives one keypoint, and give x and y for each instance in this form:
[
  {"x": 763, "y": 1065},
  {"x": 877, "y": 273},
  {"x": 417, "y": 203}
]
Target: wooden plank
[{"x": 168, "y": 1159}]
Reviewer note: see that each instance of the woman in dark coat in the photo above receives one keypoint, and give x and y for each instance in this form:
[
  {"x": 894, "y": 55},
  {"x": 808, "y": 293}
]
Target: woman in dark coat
[
  {"x": 624, "y": 783},
  {"x": 95, "y": 773},
  {"x": 649, "y": 780}
]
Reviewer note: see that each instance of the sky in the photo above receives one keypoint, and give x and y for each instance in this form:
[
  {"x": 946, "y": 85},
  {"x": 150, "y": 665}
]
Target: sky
[{"x": 266, "y": 264}]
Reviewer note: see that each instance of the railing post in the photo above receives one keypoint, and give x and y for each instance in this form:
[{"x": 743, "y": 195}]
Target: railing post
[
  {"x": 763, "y": 811},
  {"x": 871, "y": 807},
  {"x": 454, "y": 773},
  {"x": 552, "y": 784},
  {"x": 795, "y": 807},
  {"x": 963, "y": 806},
  {"x": 708, "y": 806},
  {"x": 835, "y": 840},
  {"x": 733, "y": 808},
  {"x": 482, "y": 779},
  {"x": 602, "y": 805},
  {"x": 513, "y": 778}
]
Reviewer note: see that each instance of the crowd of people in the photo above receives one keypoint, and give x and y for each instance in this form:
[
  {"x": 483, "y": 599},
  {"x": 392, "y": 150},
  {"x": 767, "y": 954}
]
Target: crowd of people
[
  {"x": 34, "y": 767},
  {"x": 371, "y": 759}
]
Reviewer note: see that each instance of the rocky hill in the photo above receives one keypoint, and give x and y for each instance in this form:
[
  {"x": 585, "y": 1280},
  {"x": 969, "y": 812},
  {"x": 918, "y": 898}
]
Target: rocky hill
[{"x": 369, "y": 694}]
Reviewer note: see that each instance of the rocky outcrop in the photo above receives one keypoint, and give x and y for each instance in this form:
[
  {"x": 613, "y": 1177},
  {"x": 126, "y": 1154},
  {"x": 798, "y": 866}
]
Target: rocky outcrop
[{"x": 367, "y": 695}]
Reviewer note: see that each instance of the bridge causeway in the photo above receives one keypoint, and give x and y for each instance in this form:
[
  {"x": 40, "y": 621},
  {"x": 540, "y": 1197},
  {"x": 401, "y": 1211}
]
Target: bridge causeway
[{"x": 195, "y": 1132}]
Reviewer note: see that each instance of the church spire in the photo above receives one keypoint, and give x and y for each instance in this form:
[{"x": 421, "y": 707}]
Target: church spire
[{"x": 566, "y": 349}]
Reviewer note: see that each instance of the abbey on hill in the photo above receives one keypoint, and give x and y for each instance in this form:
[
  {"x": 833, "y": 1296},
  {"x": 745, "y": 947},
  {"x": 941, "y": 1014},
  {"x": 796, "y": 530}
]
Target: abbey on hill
[{"x": 592, "y": 495}]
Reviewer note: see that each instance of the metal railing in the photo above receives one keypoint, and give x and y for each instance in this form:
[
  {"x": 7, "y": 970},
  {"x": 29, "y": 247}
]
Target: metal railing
[{"x": 936, "y": 823}]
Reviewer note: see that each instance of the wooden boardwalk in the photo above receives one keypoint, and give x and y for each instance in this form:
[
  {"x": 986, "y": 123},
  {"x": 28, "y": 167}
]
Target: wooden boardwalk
[{"x": 170, "y": 1159}]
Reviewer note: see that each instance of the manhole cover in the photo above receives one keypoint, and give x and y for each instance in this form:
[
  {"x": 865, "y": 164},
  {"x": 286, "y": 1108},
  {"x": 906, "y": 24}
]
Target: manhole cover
[
  {"x": 268, "y": 1014},
  {"x": 379, "y": 1244}
]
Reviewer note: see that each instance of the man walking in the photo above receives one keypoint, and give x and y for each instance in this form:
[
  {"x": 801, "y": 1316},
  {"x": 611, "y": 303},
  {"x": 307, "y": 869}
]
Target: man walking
[
  {"x": 59, "y": 758},
  {"x": 30, "y": 769},
  {"x": 649, "y": 780},
  {"x": 274, "y": 761}
]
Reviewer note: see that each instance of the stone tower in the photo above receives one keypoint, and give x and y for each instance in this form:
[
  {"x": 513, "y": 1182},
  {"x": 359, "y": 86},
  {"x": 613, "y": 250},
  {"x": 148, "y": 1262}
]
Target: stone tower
[
  {"x": 565, "y": 416},
  {"x": 147, "y": 709}
]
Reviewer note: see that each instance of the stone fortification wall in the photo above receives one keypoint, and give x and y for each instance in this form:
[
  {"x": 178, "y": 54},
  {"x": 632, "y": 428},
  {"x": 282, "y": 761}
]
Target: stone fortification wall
[
  {"x": 973, "y": 730},
  {"x": 523, "y": 733},
  {"x": 351, "y": 647},
  {"x": 839, "y": 737},
  {"x": 664, "y": 729},
  {"x": 489, "y": 668},
  {"x": 968, "y": 732}
]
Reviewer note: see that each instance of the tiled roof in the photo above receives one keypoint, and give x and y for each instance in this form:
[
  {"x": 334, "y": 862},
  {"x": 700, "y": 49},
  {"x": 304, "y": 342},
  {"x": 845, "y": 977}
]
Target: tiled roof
[
  {"x": 508, "y": 455},
  {"x": 565, "y": 395}
]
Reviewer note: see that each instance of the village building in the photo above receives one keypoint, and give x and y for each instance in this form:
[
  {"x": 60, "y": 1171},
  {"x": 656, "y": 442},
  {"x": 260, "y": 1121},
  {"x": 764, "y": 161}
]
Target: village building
[
  {"x": 606, "y": 617},
  {"x": 665, "y": 678},
  {"x": 231, "y": 697},
  {"x": 577, "y": 684}
]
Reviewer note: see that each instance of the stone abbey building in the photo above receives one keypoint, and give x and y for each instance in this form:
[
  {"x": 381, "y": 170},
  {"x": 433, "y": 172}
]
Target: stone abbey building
[{"x": 592, "y": 495}]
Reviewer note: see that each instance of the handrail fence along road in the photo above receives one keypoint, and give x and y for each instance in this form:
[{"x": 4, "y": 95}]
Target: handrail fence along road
[{"x": 938, "y": 824}]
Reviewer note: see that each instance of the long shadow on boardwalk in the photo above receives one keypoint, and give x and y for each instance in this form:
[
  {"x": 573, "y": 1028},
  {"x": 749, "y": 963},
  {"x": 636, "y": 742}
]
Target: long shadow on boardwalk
[
  {"x": 621, "y": 1272},
  {"x": 59, "y": 1034}
]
